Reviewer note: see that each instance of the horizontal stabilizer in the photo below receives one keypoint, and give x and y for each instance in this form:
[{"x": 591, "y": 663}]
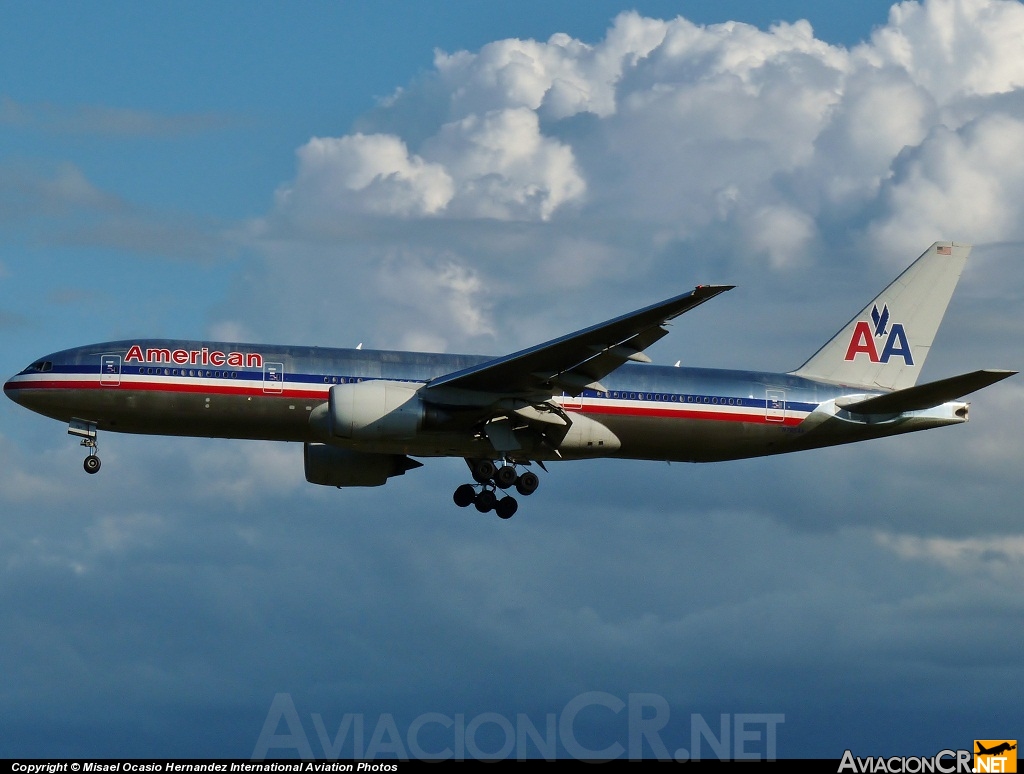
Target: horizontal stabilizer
[{"x": 925, "y": 396}]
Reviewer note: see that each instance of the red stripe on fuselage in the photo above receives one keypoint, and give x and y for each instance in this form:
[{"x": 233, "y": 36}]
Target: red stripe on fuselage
[
  {"x": 681, "y": 413},
  {"x": 211, "y": 389},
  {"x": 226, "y": 389}
]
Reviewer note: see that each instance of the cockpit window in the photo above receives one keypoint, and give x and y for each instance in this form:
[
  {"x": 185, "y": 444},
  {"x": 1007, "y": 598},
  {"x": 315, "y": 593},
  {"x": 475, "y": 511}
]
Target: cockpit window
[{"x": 40, "y": 367}]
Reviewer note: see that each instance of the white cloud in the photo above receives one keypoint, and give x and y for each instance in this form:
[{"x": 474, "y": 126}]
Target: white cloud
[
  {"x": 496, "y": 165},
  {"x": 882, "y": 112},
  {"x": 559, "y": 78},
  {"x": 1001, "y": 555},
  {"x": 446, "y": 297},
  {"x": 954, "y": 47},
  {"x": 363, "y": 173},
  {"x": 504, "y": 167},
  {"x": 965, "y": 185},
  {"x": 667, "y": 151},
  {"x": 781, "y": 233},
  {"x": 677, "y": 113}
]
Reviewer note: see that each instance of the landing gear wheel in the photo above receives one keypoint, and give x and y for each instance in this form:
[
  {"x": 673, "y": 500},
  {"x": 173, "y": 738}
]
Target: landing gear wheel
[
  {"x": 527, "y": 484},
  {"x": 505, "y": 476},
  {"x": 464, "y": 495},
  {"x": 91, "y": 464},
  {"x": 485, "y": 501},
  {"x": 506, "y": 507},
  {"x": 483, "y": 471}
]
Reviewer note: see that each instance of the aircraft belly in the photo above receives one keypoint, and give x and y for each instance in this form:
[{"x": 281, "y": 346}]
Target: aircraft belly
[
  {"x": 184, "y": 414},
  {"x": 651, "y": 438},
  {"x": 697, "y": 440}
]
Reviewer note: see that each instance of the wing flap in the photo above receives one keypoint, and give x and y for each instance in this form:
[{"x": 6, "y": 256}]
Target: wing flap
[
  {"x": 925, "y": 396},
  {"x": 577, "y": 360}
]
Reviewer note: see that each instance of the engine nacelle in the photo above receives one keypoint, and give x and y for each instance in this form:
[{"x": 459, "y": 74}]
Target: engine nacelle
[
  {"x": 331, "y": 466},
  {"x": 374, "y": 410}
]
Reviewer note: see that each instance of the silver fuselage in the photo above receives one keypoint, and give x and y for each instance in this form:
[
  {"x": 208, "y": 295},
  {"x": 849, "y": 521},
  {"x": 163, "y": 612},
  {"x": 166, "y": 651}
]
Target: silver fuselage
[{"x": 222, "y": 390}]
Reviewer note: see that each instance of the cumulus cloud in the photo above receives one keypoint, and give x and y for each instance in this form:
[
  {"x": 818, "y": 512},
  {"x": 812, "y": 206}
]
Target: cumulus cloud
[
  {"x": 505, "y": 167},
  {"x": 967, "y": 182},
  {"x": 558, "y": 78},
  {"x": 364, "y": 173},
  {"x": 780, "y": 233},
  {"x": 437, "y": 294},
  {"x": 667, "y": 151},
  {"x": 666, "y": 120},
  {"x": 954, "y": 47},
  {"x": 496, "y": 165}
]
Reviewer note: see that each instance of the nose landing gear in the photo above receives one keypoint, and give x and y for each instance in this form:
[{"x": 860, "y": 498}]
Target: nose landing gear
[
  {"x": 491, "y": 478},
  {"x": 80, "y": 428}
]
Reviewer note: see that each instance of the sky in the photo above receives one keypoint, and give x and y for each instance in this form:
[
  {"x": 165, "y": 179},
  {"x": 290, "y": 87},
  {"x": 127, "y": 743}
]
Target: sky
[{"x": 481, "y": 177}]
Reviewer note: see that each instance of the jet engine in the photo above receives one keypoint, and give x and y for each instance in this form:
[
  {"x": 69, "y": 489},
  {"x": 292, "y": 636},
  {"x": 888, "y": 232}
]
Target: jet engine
[
  {"x": 374, "y": 410},
  {"x": 331, "y": 466}
]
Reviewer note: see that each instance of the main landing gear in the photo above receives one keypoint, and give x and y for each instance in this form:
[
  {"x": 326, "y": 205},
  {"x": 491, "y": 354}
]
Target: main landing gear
[
  {"x": 490, "y": 478},
  {"x": 87, "y": 432}
]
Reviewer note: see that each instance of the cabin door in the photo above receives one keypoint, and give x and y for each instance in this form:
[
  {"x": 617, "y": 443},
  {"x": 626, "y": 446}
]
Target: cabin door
[
  {"x": 110, "y": 370},
  {"x": 273, "y": 378},
  {"x": 775, "y": 405}
]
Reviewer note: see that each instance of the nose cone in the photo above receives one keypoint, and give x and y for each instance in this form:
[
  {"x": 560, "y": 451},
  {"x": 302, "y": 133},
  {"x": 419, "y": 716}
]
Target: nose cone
[{"x": 11, "y": 389}]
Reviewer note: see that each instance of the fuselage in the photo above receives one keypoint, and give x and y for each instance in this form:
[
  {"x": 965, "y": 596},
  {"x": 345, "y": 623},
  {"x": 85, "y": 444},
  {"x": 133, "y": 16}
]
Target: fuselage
[{"x": 216, "y": 389}]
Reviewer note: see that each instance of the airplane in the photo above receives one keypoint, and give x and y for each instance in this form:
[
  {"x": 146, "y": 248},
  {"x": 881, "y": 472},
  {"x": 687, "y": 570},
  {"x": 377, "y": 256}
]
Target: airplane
[
  {"x": 999, "y": 748},
  {"x": 363, "y": 416}
]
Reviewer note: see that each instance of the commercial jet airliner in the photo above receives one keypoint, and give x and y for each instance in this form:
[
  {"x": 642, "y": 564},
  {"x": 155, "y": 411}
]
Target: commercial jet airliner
[{"x": 363, "y": 416}]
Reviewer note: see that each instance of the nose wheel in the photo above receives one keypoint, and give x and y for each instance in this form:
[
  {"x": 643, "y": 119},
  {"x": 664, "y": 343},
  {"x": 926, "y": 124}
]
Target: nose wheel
[
  {"x": 91, "y": 463},
  {"x": 490, "y": 479}
]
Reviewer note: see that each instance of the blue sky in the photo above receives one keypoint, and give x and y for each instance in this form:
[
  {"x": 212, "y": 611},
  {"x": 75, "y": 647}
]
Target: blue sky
[{"x": 481, "y": 177}]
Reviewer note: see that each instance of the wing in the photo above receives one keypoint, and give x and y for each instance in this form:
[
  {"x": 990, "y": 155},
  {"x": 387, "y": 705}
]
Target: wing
[{"x": 573, "y": 362}]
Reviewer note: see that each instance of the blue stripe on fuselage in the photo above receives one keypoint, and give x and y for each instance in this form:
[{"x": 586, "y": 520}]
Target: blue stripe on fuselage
[{"x": 313, "y": 367}]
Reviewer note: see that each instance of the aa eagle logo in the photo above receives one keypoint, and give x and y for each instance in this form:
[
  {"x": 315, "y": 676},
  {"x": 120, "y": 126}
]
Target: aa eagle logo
[{"x": 867, "y": 335}]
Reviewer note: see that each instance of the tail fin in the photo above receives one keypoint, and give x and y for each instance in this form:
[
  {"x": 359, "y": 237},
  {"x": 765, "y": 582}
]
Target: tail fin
[{"x": 885, "y": 345}]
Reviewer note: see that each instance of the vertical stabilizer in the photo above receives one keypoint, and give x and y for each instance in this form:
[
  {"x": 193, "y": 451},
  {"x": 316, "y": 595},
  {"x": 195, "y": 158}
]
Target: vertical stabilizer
[{"x": 885, "y": 345}]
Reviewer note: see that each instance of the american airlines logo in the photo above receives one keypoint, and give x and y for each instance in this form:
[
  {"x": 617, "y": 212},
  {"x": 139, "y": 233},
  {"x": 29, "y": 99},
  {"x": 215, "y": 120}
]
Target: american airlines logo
[
  {"x": 203, "y": 357},
  {"x": 867, "y": 336}
]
